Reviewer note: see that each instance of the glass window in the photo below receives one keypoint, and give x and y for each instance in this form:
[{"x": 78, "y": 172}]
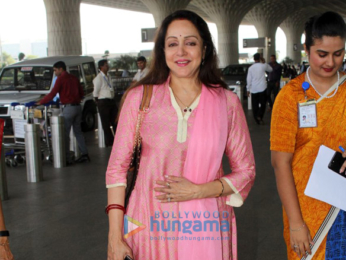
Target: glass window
[
  {"x": 76, "y": 71},
  {"x": 89, "y": 73},
  {"x": 26, "y": 78}
]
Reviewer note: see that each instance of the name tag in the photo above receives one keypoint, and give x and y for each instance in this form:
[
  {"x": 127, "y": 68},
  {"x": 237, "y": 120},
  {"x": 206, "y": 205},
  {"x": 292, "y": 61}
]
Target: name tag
[{"x": 307, "y": 113}]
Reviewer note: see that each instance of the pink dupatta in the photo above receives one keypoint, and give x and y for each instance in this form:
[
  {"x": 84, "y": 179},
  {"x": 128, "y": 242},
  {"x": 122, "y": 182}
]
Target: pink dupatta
[{"x": 204, "y": 156}]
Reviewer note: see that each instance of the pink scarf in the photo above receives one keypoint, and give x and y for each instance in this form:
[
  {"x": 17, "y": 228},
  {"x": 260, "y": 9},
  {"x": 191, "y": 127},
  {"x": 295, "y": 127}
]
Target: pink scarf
[{"x": 204, "y": 156}]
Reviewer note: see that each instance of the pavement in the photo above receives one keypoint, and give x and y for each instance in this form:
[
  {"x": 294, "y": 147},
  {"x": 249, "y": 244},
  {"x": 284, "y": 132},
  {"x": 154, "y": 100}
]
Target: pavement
[{"x": 63, "y": 216}]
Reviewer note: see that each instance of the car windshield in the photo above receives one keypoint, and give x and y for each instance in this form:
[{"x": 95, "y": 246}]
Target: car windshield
[
  {"x": 235, "y": 70},
  {"x": 26, "y": 78}
]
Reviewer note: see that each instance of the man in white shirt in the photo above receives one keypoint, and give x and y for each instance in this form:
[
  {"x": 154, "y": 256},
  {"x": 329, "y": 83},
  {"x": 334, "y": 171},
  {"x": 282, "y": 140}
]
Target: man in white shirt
[
  {"x": 104, "y": 96},
  {"x": 257, "y": 85},
  {"x": 142, "y": 69}
]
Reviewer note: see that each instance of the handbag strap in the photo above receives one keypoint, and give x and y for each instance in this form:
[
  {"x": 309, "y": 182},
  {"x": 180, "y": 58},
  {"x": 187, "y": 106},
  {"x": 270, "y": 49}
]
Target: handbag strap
[
  {"x": 144, "y": 107},
  {"x": 342, "y": 80},
  {"x": 147, "y": 93}
]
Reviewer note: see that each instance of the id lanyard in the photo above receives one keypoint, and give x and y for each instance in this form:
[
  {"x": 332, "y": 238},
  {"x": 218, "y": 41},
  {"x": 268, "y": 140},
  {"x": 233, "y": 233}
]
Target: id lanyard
[
  {"x": 307, "y": 112},
  {"x": 109, "y": 85}
]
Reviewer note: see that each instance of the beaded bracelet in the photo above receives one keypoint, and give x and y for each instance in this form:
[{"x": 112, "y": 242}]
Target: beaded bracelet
[
  {"x": 298, "y": 229},
  {"x": 114, "y": 206},
  {"x": 222, "y": 189}
]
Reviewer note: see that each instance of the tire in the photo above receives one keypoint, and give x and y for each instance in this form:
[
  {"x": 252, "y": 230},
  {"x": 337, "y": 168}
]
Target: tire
[
  {"x": 14, "y": 163},
  {"x": 8, "y": 163},
  {"x": 88, "y": 120}
]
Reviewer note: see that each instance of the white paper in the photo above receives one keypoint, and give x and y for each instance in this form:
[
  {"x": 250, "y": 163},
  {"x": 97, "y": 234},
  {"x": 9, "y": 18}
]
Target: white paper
[
  {"x": 19, "y": 131},
  {"x": 324, "y": 184}
]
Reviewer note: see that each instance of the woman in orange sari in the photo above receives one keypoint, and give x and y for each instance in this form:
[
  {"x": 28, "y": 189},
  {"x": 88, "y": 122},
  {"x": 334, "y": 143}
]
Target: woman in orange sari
[{"x": 295, "y": 148}]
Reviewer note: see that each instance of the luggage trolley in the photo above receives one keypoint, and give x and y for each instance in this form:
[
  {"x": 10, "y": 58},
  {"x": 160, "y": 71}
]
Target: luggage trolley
[{"x": 22, "y": 115}]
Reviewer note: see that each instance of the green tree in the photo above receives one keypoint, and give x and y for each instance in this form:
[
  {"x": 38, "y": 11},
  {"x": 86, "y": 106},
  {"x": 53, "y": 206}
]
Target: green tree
[
  {"x": 106, "y": 54},
  {"x": 125, "y": 62},
  {"x": 7, "y": 60},
  {"x": 288, "y": 60},
  {"x": 31, "y": 57}
]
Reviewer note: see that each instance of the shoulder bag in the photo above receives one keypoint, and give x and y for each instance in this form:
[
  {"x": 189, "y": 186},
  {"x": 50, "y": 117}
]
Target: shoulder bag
[{"x": 136, "y": 154}]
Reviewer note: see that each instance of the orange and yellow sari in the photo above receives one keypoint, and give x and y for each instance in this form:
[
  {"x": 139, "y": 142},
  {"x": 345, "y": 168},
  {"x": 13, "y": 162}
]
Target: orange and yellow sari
[{"x": 304, "y": 143}]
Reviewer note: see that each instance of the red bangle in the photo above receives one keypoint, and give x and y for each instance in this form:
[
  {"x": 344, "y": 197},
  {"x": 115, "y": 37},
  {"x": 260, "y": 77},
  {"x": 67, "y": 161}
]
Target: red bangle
[{"x": 114, "y": 206}]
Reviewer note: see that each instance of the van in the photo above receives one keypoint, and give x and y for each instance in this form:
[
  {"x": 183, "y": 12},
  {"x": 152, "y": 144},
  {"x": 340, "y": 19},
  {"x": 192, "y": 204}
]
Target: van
[{"x": 30, "y": 80}]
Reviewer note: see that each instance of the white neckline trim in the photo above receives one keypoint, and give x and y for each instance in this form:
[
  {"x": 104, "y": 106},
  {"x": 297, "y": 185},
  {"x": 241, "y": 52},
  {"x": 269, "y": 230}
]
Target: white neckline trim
[{"x": 182, "y": 119}]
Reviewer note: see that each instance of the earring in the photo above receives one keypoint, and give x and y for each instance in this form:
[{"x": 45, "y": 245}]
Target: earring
[{"x": 202, "y": 62}]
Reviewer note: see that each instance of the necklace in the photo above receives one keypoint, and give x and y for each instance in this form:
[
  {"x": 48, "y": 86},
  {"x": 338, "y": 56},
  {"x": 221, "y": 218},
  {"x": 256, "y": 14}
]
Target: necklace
[
  {"x": 336, "y": 90},
  {"x": 187, "y": 108}
]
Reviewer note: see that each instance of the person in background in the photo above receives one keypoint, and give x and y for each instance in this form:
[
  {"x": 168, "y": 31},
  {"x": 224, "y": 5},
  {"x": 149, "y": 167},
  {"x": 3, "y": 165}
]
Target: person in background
[
  {"x": 5, "y": 252},
  {"x": 274, "y": 78},
  {"x": 104, "y": 96},
  {"x": 257, "y": 87},
  {"x": 142, "y": 69},
  {"x": 125, "y": 73},
  {"x": 303, "y": 68},
  {"x": 70, "y": 94},
  {"x": 192, "y": 122},
  {"x": 294, "y": 148}
]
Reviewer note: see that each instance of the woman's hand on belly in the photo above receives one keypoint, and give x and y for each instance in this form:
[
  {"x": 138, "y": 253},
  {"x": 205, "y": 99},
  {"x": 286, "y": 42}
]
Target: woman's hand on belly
[{"x": 175, "y": 189}]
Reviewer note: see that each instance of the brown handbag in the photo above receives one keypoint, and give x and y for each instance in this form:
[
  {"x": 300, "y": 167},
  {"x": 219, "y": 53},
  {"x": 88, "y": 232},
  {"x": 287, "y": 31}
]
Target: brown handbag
[{"x": 136, "y": 154}]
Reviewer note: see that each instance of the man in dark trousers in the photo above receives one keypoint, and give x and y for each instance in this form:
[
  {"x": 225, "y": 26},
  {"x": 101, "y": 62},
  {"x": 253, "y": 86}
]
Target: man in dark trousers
[
  {"x": 71, "y": 94},
  {"x": 274, "y": 78},
  {"x": 104, "y": 96},
  {"x": 257, "y": 86}
]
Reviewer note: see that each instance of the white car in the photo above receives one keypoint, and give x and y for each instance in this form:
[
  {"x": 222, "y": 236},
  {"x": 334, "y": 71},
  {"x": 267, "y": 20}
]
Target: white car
[{"x": 30, "y": 80}]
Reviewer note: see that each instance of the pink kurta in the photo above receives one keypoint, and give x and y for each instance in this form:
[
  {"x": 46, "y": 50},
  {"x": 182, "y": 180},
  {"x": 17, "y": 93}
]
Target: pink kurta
[{"x": 163, "y": 154}]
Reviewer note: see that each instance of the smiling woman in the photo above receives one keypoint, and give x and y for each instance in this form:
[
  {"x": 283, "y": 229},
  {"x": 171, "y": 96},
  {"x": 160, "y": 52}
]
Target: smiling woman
[
  {"x": 192, "y": 121},
  {"x": 295, "y": 146}
]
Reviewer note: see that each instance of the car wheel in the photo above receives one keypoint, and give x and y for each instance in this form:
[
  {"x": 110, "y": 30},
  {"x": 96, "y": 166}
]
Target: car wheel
[{"x": 88, "y": 120}]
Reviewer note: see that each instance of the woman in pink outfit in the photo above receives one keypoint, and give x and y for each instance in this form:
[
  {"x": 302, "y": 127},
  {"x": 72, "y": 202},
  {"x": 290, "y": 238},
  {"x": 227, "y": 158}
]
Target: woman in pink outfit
[{"x": 181, "y": 206}]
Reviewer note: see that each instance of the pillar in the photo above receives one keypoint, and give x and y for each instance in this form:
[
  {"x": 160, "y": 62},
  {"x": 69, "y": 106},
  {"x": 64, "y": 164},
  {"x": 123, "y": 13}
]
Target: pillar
[
  {"x": 227, "y": 15},
  {"x": 266, "y": 17},
  {"x": 293, "y": 28},
  {"x": 162, "y": 8},
  {"x": 64, "y": 29}
]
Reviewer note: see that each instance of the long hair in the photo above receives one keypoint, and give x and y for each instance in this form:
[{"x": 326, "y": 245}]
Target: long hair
[{"x": 158, "y": 73}]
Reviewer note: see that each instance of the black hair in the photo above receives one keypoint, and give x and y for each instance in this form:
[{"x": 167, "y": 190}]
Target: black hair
[
  {"x": 60, "y": 65},
  {"x": 208, "y": 74},
  {"x": 101, "y": 63},
  {"x": 257, "y": 56},
  {"x": 327, "y": 24},
  {"x": 141, "y": 58}
]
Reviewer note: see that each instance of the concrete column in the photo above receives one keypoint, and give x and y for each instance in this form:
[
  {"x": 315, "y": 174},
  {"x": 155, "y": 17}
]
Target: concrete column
[
  {"x": 270, "y": 32},
  {"x": 267, "y": 16},
  {"x": 293, "y": 29},
  {"x": 293, "y": 26},
  {"x": 64, "y": 30},
  {"x": 227, "y": 15},
  {"x": 228, "y": 45},
  {"x": 293, "y": 36},
  {"x": 162, "y": 8}
]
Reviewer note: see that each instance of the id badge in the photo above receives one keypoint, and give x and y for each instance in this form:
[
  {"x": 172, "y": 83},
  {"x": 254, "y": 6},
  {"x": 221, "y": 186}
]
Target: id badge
[{"x": 307, "y": 113}]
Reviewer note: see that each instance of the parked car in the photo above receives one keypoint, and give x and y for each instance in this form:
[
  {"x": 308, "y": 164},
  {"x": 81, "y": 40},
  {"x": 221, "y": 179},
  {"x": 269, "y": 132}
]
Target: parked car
[
  {"x": 235, "y": 74},
  {"x": 30, "y": 80}
]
